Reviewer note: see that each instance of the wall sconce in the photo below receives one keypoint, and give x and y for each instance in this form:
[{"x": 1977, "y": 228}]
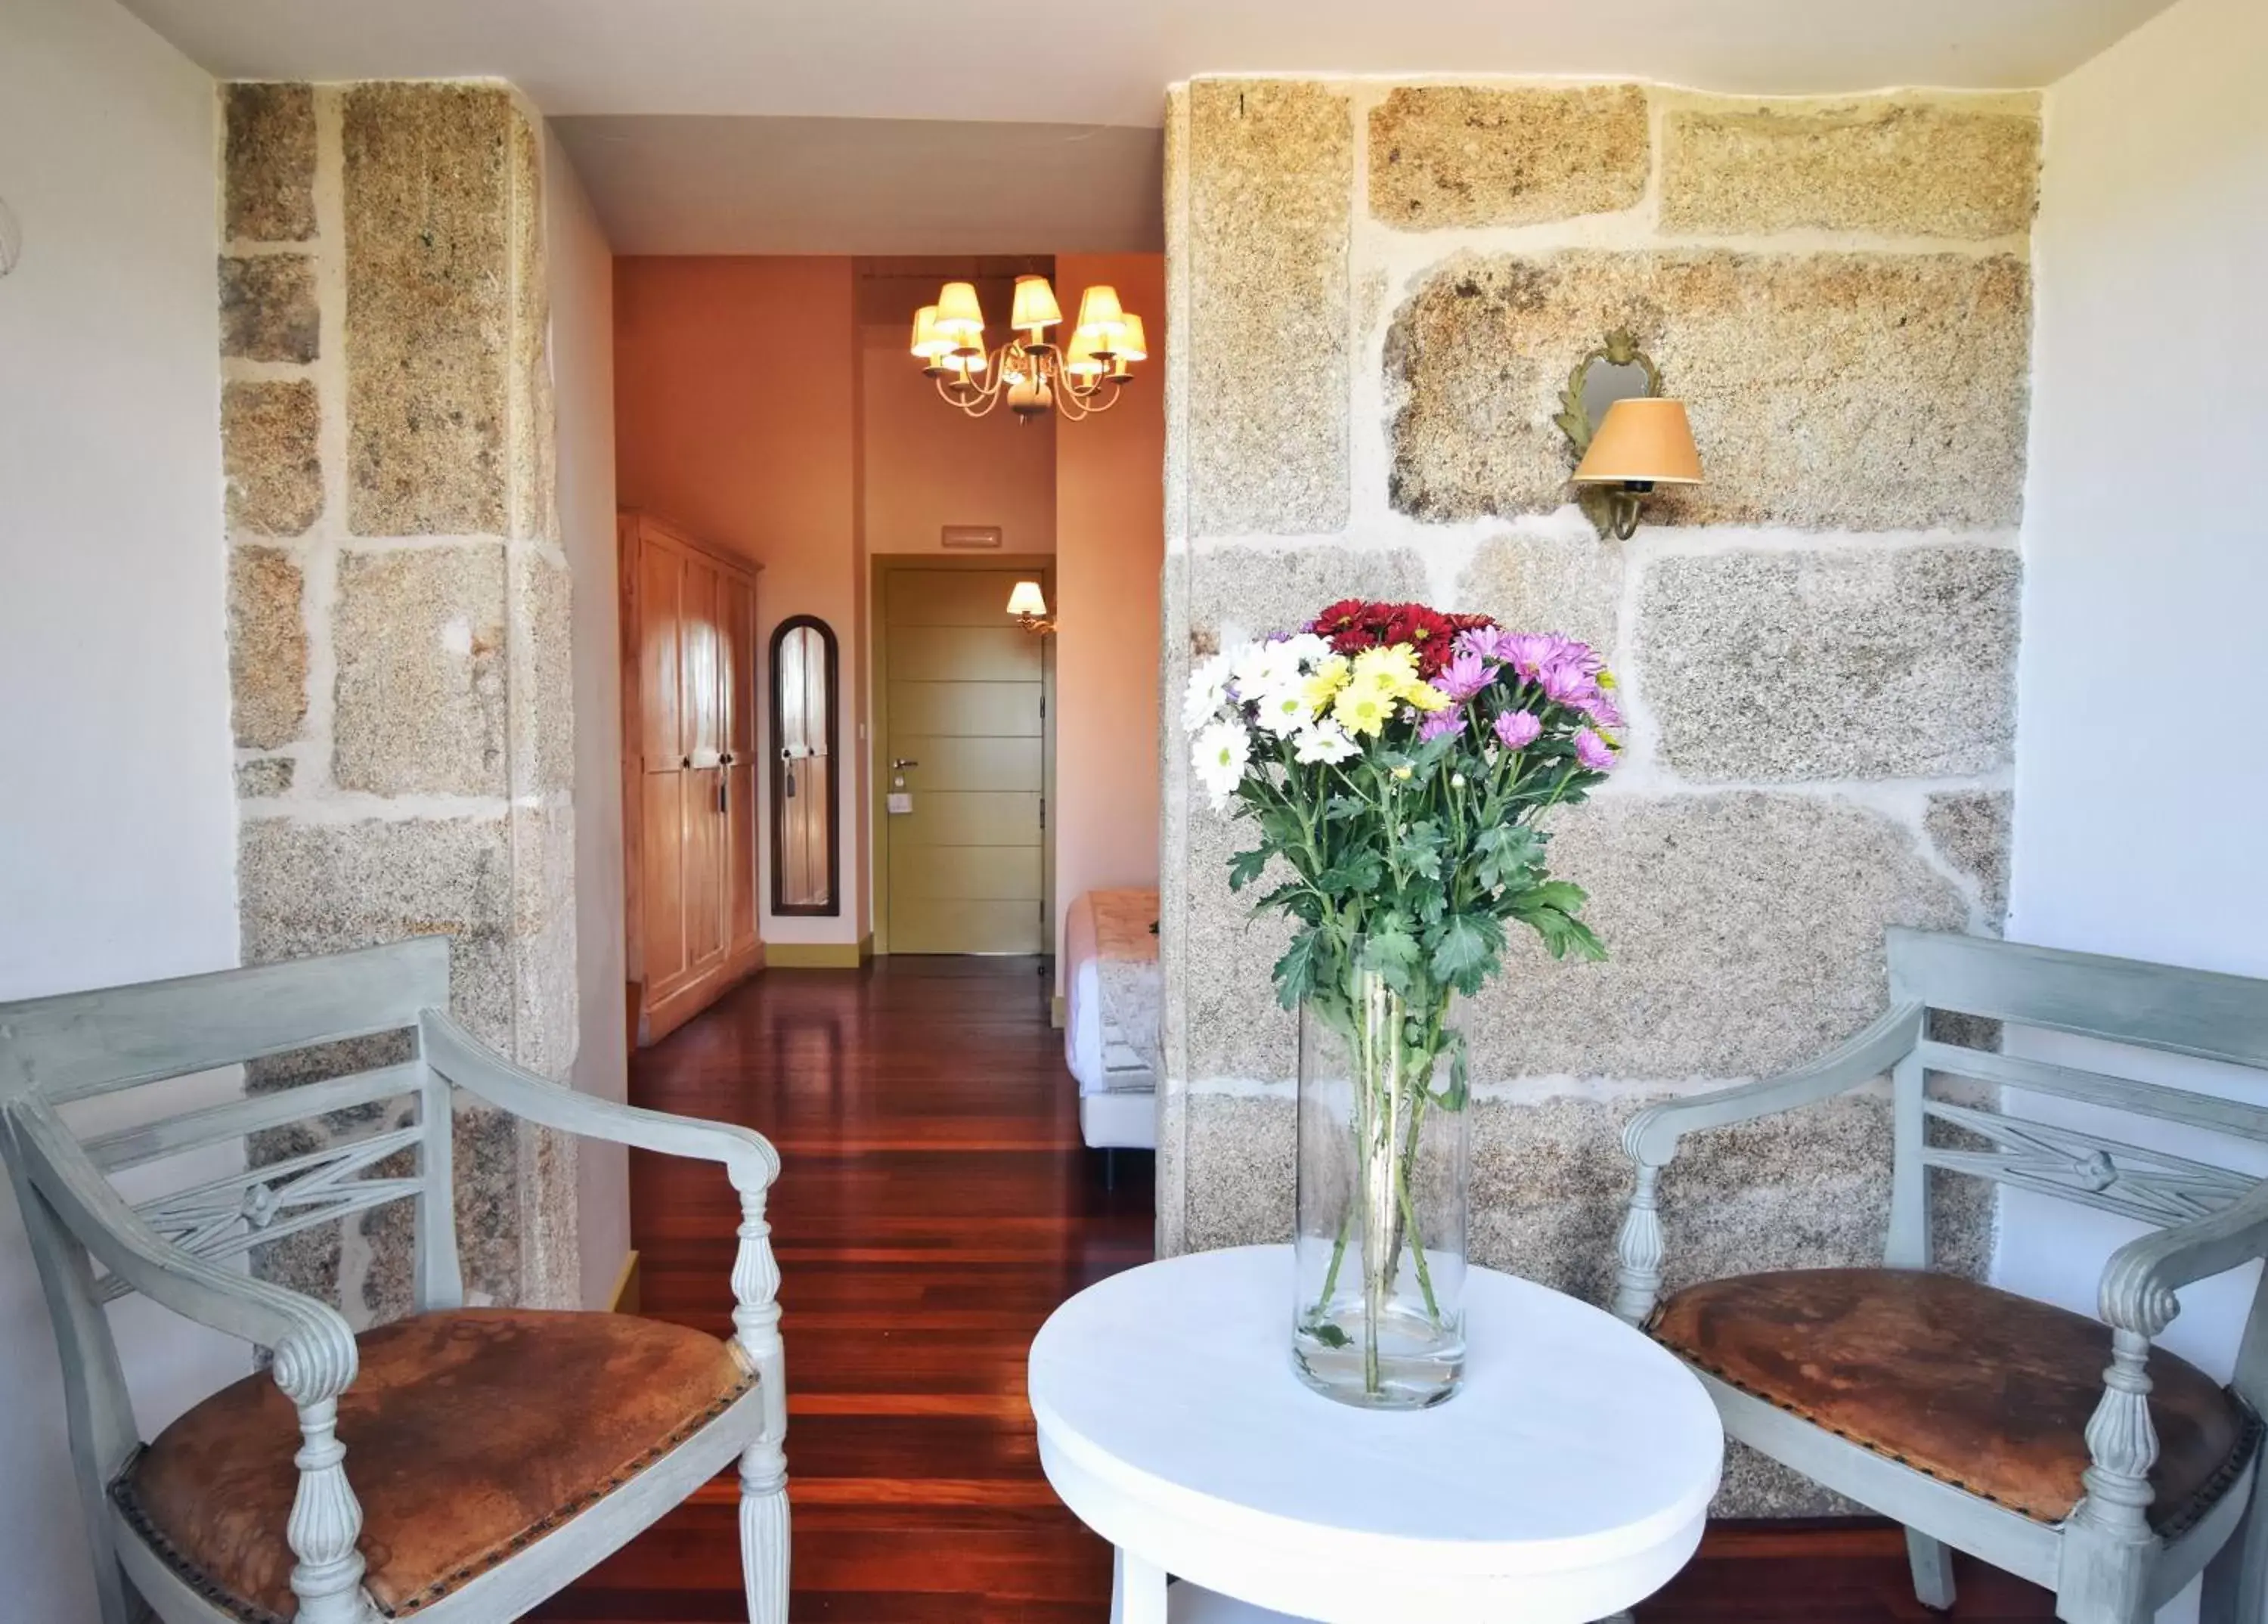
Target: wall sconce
[
  {"x": 1029, "y": 605},
  {"x": 1641, "y": 441}
]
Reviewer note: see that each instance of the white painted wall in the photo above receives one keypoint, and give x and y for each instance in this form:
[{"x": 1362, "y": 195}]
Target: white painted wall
[
  {"x": 2142, "y": 753},
  {"x": 117, "y": 814},
  {"x": 580, "y": 269}
]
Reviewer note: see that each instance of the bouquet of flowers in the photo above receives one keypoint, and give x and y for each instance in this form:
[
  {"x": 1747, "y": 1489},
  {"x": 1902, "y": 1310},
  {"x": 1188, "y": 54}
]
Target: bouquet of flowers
[{"x": 1396, "y": 765}]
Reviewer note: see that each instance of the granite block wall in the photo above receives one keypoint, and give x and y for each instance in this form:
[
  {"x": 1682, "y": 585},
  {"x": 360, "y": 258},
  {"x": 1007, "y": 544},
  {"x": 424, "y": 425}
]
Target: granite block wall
[
  {"x": 1383, "y": 288},
  {"x": 399, "y": 609}
]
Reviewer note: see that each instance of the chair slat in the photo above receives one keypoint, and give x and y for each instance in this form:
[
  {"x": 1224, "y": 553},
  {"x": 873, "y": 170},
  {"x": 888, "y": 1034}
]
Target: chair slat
[
  {"x": 2150, "y": 1099},
  {"x": 80, "y": 1043},
  {"x": 2199, "y": 1012},
  {"x": 240, "y": 1119}
]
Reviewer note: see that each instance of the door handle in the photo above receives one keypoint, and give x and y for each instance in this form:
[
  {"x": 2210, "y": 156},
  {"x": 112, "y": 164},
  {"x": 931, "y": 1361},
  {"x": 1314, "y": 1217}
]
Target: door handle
[
  {"x": 901, "y": 763},
  {"x": 724, "y": 795}
]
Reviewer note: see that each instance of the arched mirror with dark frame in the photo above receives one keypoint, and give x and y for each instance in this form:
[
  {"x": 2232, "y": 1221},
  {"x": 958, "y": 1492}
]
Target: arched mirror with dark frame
[{"x": 806, "y": 865}]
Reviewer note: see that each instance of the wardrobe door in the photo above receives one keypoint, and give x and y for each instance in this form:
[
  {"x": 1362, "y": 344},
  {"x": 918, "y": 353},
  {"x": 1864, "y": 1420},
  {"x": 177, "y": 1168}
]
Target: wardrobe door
[
  {"x": 703, "y": 680},
  {"x": 665, "y": 767},
  {"x": 740, "y": 662}
]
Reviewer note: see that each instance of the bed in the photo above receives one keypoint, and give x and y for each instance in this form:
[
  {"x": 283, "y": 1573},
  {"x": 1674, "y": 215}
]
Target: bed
[{"x": 1111, "y": 1031}]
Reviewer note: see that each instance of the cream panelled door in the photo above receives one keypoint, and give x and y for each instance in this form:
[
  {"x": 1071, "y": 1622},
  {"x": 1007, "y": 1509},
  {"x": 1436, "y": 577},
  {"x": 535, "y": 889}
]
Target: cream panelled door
[{"x": 966, "y": 696}]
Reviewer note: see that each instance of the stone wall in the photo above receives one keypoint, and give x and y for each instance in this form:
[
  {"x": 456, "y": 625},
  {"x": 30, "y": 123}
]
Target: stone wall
[
  {"x": 399, "y": 614},
  {"x": 1382, "y": 290}
]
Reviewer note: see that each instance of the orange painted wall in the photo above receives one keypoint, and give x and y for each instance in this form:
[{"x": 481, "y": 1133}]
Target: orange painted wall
[
  {"x": 1110, "y": 546},
  {"x": 928, "y": 466},
  {"x": 735, "y": 416}
]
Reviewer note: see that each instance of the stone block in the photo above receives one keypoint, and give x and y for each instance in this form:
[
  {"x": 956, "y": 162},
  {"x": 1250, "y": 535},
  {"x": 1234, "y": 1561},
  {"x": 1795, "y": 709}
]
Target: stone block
[
  {"x": 1848, "y": 663},
  {"x": 1246, "y": 592},
  {"x": 268, "y": 308},
  {"x": 532, "y": 474},
  {"x": 1826, "y": 390},
  {"x": 1242, "y": 1174},
  {"x": 430, "y": 278},
  {"x": 269, "y": 775},
  {"x": 1744, "y": 931},
  {"x": 544, "y": 998},
  {"x": 306, "y": 889},
  {"x": 270, "y": 455},
  {"x": 1568, "y": 584},
  {"x": 1233, "y": 1027},
  {"x": 543, "y": 696},
  {"x": 1971, "y": 830},
  {"x": 1464, "y": 155},
  {"x": 1891, "y": 166},
  {"x": 1271, "y": 188},
  {"x": 270, "y": 165},
  {"x": 267, "y": 647},
  {"x": 419, "y": 638}
]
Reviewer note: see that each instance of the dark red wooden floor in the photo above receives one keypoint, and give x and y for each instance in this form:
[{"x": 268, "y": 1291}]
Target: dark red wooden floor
[{"x": 936, "y": 1205}]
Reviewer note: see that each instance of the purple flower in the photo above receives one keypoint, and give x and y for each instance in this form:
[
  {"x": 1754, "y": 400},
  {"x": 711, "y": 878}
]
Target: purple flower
[
  {"x": 1592, "y": 751},
  {"x": 1517, "y": 729},
  {"x": 1486, "y": 643},
  {"x": 1441, "y": 724},
  {"x": 1565, "y": 682},
  {"x": 1601, "y": 709},
  {"x": 1529, "y": 653},
  {"x": 1464, "y": 677}
]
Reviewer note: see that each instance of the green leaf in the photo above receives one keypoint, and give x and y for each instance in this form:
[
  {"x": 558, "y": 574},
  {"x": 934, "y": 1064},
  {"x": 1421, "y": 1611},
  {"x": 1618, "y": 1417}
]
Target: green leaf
[
  {"x": 1550, "y": 911},
  {"x": 1393, "y": 953},
  {"x": 1328, "y": 1334},
  {"x": 1297, "y": 971},
  {"x": 1360, "y": 873},
  {"x": 1468, "y": 949},
  {"x": 1245, "y": 866}
]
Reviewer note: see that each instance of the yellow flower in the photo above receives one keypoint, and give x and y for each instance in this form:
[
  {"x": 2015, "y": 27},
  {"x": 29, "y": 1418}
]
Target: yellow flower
[
  {"x": 1426, "y": 697},
  {"x": 1402, "y": 773},
  {"x": 1322, "y": 684},
  {"x": 1362, "y": 707},
  {"x": 1606, "y": 678},
  {"x": 1394, "y": 668}
]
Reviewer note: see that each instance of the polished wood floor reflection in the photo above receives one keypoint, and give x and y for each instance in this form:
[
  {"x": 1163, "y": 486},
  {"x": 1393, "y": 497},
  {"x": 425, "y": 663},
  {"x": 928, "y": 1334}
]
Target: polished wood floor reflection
[{"x": 936, "y": 1205}]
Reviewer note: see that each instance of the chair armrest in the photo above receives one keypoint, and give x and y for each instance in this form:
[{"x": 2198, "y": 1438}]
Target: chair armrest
[
  {"x": 1650, "y": 1136},
  {"x": 2136, "y": 1300},
  {"x": 314, "y": 1350},
  {"x": 2137, "y": 1293},
  {"x": 749, "y": 1158}
]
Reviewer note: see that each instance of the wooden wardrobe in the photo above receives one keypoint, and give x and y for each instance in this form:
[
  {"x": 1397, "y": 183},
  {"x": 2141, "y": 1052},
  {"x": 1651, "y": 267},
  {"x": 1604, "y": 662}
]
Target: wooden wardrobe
[{"x": 690, "y": 663}]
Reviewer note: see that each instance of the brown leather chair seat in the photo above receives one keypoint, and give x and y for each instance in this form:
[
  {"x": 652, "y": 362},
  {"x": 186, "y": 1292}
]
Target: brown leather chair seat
[
  {"x": 1989, "y": 1390},
  {"x": 468, "y": 1434}
]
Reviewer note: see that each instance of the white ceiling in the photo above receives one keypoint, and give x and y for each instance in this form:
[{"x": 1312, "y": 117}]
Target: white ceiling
[
  {"x": 723, "y": 184},
  {"x": 1082, "y": 63}
]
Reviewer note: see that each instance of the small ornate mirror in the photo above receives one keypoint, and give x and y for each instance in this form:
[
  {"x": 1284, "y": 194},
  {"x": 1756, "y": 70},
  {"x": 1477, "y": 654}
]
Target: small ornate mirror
[{"x": 806, "y": 868}]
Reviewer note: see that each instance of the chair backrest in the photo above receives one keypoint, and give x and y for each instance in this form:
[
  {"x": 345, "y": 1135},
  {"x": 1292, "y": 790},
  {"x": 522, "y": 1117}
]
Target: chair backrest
[
  {"x": 2125, "y": 1002},
  {"x": 78, "y": 1045}
]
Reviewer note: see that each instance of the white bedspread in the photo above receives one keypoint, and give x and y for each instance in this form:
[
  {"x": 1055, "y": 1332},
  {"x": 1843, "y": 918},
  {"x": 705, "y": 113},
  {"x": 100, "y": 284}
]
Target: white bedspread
[{"x": 1110, "y": 1038}]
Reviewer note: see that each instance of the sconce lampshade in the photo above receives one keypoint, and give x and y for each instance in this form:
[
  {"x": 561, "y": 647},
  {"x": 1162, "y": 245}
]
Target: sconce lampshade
[
  {"x": 959, "y": 316},
  {"x": 929, "y": 343},
  {"x": 1027, "y": 599},
  {"x": 1099, "y": 317},
  {"x": 1643, "y": 440},
  {"x": 1035, "y": 304},
  {"x": 1132, "y": 344}
]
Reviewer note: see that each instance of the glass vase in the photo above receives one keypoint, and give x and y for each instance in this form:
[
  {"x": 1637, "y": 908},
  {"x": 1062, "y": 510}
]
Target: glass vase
[{"x": 1384, "y": 1162}]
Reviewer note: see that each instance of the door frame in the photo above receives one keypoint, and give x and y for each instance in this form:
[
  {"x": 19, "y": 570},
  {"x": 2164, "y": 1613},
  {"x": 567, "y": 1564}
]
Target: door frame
[{"x": 881, "y": 566}]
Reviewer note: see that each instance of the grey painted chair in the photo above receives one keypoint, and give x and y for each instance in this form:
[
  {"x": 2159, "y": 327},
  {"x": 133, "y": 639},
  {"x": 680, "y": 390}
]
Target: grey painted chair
[
  {"x": 2113, "y": 1555},
  {"x": 92, "y": 1246}
]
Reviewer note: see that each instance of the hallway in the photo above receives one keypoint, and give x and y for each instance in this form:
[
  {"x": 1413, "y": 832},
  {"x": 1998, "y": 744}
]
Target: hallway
[{"x": 935, "y": 1206}]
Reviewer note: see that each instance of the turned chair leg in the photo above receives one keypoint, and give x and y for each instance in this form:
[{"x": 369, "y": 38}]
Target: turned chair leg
[
  {"x": 1931, "y": 1560},
  {"x": 764, "y": 1533}
]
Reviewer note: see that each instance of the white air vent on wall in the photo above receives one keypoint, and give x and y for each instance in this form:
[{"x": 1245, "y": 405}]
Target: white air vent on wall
[{"x": 958, "y": 536}]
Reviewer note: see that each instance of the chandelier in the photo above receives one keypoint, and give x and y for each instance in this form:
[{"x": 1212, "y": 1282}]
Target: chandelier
[{"x": 1033, "y": 375}]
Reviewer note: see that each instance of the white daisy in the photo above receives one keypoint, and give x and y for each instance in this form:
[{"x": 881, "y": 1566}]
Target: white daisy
[
  {"x": 1219, "y": 753},
  {"x": 1265, "y": 669},
  {"x": 1208, "y": 691},
  {"x": 1326, "y": 741}
]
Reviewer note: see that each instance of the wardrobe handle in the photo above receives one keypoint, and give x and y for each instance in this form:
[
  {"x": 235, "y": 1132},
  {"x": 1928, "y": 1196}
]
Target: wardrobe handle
[{"x": 685, "y": 761}]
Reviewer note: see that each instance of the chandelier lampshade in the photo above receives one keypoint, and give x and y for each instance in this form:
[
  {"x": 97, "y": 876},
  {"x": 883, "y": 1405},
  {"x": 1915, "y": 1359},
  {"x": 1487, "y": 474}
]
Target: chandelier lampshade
[
  {"x": 1031, "y": 373},
  {"x": 1035, "y": 306},
  {"x": 1099, "y": 314},
  {"x": 959, "y": 316}
]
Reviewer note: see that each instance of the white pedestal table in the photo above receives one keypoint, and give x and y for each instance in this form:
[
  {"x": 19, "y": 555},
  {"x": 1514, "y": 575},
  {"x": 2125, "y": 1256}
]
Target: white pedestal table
[{"x": 1569, "y": 1478}]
